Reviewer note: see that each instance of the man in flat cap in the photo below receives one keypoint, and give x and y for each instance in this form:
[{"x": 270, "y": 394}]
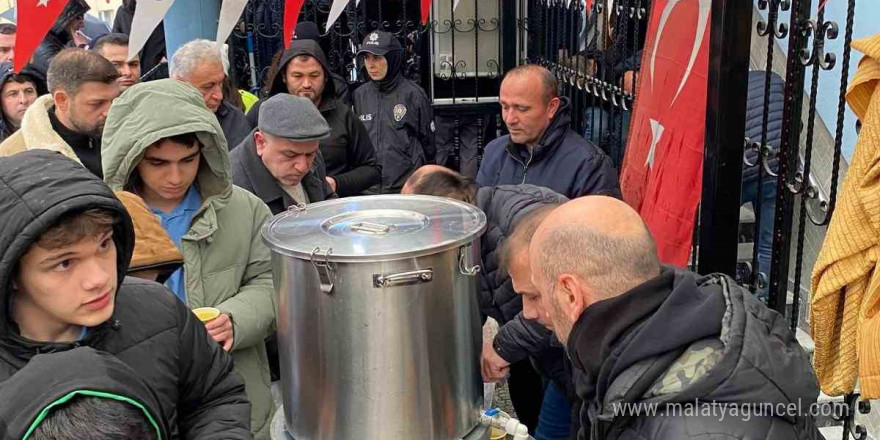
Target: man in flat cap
[{"x": 280, "y": 162}]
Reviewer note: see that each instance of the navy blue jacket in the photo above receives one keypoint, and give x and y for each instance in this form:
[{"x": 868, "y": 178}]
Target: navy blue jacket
[
  {"x": 562, "y": 161},
  {"x": 755, "y": 119}
]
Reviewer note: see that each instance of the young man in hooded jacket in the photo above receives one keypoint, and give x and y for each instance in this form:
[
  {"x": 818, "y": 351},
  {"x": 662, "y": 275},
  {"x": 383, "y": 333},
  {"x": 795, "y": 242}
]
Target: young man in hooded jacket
[
  {"x": 92, "y": 395},
  {"x": 178, "y": 163},
  {"x": 396, "y": 112},
  {"x": 64, "y": 231}
]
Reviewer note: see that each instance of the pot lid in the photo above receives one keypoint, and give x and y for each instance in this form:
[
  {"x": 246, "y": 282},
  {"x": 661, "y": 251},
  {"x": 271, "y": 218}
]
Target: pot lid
[{"x": 374, "y": 228}]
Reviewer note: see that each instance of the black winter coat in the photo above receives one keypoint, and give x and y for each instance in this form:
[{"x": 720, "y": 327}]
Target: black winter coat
[
  {"x": 150, "y": 329},
  {"x": 249, "y": 172},
  {"x": 400, "y": 121},
  {"x": 348, "y": 153},
  {"x": 154, "y": 49},
  {"x": 234, "y": 124},
  {"x": 755, "y": 120},
  {"x": 700, "y": 351},
  {"x": 58, "y": 37},
  {"x": 82, "y": 371},
  {"x": 562, "y": 161}
]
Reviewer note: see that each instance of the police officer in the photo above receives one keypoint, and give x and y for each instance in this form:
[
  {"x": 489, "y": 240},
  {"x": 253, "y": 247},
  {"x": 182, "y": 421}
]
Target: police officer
[{"x": 395, "y": 111}]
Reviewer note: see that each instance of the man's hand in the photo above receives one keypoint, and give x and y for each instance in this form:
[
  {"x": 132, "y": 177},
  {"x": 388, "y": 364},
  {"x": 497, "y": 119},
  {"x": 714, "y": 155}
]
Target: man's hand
[
  {"x": 332, "y": 182},
  {"x": 221, "y": 330},
  {"x": 493, "y": 366}
]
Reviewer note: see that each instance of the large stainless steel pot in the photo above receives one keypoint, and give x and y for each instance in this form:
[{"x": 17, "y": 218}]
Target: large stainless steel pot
[{"x": 378, "y": 323}]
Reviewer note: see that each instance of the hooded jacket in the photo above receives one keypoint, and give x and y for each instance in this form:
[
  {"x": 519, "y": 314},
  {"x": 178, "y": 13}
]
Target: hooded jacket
[
  {"x": 53, "y": 379},
  {"x": 250, "y": 173},
  {"x": 154, "y": 48},
  {"x": 58, "y": 37},
  {"x": 226, "y": 263},
  {"x": 6, "y": 129},
  {"x": 679, "y": 343},
  {"x": 348, "y": 153},
  {"x": 150, "y": 330},
  {"x": 562, "y": 161},
  {"x": 37, "y": 132},
  {"x": 153, "y": 249},
  {"x": 400, "y": 121}
]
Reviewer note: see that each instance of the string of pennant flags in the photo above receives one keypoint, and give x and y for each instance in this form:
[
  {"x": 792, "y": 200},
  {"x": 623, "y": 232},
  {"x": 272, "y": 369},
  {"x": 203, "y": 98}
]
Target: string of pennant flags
[{"x": 40, "y": 15}]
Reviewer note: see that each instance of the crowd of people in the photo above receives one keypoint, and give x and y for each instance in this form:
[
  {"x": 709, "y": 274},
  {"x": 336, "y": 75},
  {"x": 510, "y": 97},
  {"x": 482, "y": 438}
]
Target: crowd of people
[{"x": 110, "y": 185}]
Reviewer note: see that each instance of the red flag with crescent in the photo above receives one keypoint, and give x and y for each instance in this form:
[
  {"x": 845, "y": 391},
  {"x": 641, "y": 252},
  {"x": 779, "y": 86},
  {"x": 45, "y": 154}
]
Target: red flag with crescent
[
  {"x": 662, "y": 172},
  {"x": 35, "y": 18}
]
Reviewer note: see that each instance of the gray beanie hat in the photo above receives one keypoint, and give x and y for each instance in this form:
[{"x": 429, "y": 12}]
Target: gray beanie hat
[{"x": 291, "y": 117}]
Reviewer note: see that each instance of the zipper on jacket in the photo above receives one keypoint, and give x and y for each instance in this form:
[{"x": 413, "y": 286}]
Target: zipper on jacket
[{"x": 526, "y": 167}]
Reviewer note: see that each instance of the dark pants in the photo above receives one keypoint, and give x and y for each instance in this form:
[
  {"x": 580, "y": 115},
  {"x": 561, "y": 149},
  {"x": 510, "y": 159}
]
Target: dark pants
[
  {"x": 554, "y": 422},
  {"x": 470, "y": 139},
  {"x": 763, "y": 230},
  {"x": 526, "y": 392}
]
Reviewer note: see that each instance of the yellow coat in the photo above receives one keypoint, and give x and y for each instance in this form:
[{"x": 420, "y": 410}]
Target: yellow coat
[{"x": 846, "y": 280}]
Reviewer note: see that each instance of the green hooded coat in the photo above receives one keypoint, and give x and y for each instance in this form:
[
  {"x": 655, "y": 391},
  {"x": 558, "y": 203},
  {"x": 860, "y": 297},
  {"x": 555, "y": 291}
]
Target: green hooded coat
[{"x": 226, "y": 263}]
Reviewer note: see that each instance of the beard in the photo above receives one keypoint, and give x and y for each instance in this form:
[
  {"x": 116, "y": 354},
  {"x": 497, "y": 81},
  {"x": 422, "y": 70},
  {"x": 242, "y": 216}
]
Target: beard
[{"x": 91, "y": 129}]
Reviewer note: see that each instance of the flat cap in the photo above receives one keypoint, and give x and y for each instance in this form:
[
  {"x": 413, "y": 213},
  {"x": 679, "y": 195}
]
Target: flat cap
[{"x": 294, "y": 118}]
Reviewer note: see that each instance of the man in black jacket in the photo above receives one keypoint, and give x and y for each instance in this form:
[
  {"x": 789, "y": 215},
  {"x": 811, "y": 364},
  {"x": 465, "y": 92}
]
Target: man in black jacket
[
  {"x": 663, "y": 353},
  {"x": 348, "y": 152},
  {"x": 541, "y": 148},
  {"x": 396, "y": 112},
  {"x": 280, "y": 161},
  {"x": 521, "y": 341},
  {"x": 61, "y": 35},
  {"x": 154, "y": 50},
  {"x": 65, "y": 231},
  {"x": 200, "y": 64}
]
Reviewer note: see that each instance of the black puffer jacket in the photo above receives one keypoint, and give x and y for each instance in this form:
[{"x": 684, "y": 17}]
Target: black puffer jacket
[
  {"x": 562, "y": 161},
  {"x": 400, "y": 121},
  {"x": 80, "y": 372},
  {"x": 755, "y": 119},
  {"x": 150, "y": 330},
  {"x": 58, "y": 37},
  {"x": 504, "y": 206},
  {"x": 650, "y": 364},
  {"x": 154, "y": 48},
  {"x": 348, "y": 152}
]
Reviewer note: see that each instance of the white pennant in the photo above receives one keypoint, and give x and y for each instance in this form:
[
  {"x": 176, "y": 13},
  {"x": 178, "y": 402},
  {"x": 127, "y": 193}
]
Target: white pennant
[
  {"x": 335, "y": 12},
  {"x": 147, "y": 16},
  {"x": 455, "y": 5},
  {"x": 230, "y": 12}
]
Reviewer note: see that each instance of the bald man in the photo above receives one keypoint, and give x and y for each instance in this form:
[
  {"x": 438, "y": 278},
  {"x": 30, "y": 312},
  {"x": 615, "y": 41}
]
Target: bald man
[
  {"x": 541, "y": 148},
  {"x": 520, "y": 342},
  {"x": 664, "y": 339}
]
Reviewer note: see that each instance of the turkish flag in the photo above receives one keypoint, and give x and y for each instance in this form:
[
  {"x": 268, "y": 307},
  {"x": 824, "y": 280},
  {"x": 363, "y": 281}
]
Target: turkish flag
[
  {"x": 291, "y": 16},
  {"x": 662, "y": 172},
  {"x": 37, "y": 16},
  {"x": 426, "y": 11}
]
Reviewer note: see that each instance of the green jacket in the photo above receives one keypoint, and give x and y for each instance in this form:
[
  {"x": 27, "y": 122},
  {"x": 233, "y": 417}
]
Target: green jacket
[{"x": 226, "y": 263}]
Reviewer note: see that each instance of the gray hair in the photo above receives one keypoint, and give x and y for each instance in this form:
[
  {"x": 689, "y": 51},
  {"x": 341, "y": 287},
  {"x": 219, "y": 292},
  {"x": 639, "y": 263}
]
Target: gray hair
[
  {"x": 522, "y": 232},
  {"x": 191, "y": 55},
  {"x": 610, "y": 264}
]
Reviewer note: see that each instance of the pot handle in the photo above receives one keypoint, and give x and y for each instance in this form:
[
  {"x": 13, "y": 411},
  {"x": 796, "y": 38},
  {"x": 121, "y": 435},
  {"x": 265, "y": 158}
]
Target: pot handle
[
  {"x": 326, "y": 269},
  {"x": 464, "y": 261},
  {"x": 403, "y": 279}
]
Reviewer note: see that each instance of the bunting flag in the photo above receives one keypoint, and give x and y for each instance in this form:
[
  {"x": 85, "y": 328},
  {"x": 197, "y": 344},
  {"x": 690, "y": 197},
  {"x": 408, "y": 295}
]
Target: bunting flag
[
  {"x": 455, "y": 5},
  {"x": 335, "y": 11},
  {"x": 662, "y": 173},
  {"x": 147, "y": 15},
  {"x": 822, "y": 4},
  {"x": 291, "y": 16},
  {"x": 426, "y": 11},
  {"x": 37, "y": 16},
  {"x": 230, "y": 12}
]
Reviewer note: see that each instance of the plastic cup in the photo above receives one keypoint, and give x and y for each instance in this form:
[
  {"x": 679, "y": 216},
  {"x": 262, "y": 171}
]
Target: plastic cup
[
  {"x": 497, "y": 434},
  {"x": 207, "y": 314}
]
